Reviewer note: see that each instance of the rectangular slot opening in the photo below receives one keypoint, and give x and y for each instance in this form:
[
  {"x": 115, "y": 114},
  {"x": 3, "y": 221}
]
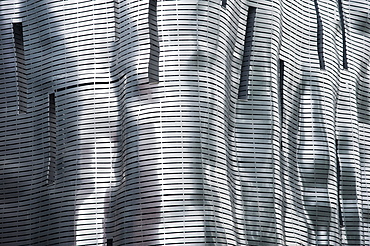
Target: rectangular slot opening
[
  {"x": 320, "y": 37},
  {"x": 341, "y": 16},
  {"x": 223, "y": 3},
  {"x": 52, "y": 140},
  {"x": 281, "y": 87},
  {"x": 153, "y": 68},
  {"x": 248, "y": 40},
  {"x": 280, "y": 90},
  {"x": 20, "y": 67},
  {"x": 109, "y": 242}
]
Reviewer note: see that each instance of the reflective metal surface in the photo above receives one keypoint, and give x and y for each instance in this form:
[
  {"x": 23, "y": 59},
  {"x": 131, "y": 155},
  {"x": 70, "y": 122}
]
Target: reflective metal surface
[{"x": 135, "y": 123}]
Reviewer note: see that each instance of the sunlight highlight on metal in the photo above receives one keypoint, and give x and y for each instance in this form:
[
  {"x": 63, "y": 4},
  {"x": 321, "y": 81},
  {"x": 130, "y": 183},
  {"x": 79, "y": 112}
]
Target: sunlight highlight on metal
[{"x": 197, "y": 122}]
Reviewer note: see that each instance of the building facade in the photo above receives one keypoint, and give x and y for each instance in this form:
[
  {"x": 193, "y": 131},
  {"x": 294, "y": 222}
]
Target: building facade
[{"x": 197, "y": 122}]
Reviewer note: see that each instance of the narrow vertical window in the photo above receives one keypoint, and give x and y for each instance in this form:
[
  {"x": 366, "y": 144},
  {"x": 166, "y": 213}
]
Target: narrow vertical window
[
  {"x": 223, "y": 3},
  {"x": 116, "y": 23},
  {"x": 320, "y": 36},
  {"x": 153, "y": 69},
  {"x": 20, "y": 66},
  {"x": 339, "y": 174},
  {"x": 340, "y": 9},
  {"x": 244, "y": 77},
  {"x": 281, "y": 87},
  {"x": 110, "y": 242},
  {"x": 52, "y": 140}
]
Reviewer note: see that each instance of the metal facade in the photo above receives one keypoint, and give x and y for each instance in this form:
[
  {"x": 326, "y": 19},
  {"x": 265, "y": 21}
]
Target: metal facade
[{"x": 197, "y": 122}]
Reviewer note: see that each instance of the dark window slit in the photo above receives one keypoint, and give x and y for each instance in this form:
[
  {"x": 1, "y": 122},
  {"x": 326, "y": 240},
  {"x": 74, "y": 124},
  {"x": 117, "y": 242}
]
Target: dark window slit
[
  {"x": 341, "y": 16},
  {"x": 320, "y": 37},
  {"x": 244, "y": 76},
  {"x": 22, "y": 88},
  {"x": 281, "y": 87},
  {"x": 153, "y": 70},
  {"x": 52, "y": 140}
]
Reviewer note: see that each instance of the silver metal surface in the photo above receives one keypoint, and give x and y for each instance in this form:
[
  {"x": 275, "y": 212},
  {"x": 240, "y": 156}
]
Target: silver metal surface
[{"x": 132, "y": 122}]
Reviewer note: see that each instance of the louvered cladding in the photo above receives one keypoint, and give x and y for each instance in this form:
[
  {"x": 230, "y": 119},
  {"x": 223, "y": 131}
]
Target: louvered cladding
[{"x": 184, "y": 122}]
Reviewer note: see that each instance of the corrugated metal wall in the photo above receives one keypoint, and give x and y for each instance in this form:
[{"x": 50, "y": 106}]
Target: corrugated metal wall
[{"x": 184, "y": 122}]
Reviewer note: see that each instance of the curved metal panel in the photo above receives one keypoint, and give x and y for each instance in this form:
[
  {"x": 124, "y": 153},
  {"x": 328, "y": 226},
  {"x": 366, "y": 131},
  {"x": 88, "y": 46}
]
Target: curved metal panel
[{"x": 123, "y": 122}]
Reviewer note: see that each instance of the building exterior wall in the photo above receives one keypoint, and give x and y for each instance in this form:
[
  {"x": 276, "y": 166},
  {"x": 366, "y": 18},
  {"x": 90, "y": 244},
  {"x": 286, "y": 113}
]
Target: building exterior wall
[{"x": 200, "y": 122}]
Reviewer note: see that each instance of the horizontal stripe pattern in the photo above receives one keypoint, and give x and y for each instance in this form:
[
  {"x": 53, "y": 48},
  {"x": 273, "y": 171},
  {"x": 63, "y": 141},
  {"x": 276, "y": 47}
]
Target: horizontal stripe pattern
[{"x": 122, "y": 122}]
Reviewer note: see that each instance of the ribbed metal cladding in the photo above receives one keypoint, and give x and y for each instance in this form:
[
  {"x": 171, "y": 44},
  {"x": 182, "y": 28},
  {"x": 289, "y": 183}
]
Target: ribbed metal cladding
[{"x": 184, "y": 122}]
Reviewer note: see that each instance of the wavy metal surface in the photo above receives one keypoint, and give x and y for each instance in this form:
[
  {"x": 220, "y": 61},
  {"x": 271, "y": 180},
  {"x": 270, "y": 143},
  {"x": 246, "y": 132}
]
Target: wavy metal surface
[{"x": 122, "y": 122}]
